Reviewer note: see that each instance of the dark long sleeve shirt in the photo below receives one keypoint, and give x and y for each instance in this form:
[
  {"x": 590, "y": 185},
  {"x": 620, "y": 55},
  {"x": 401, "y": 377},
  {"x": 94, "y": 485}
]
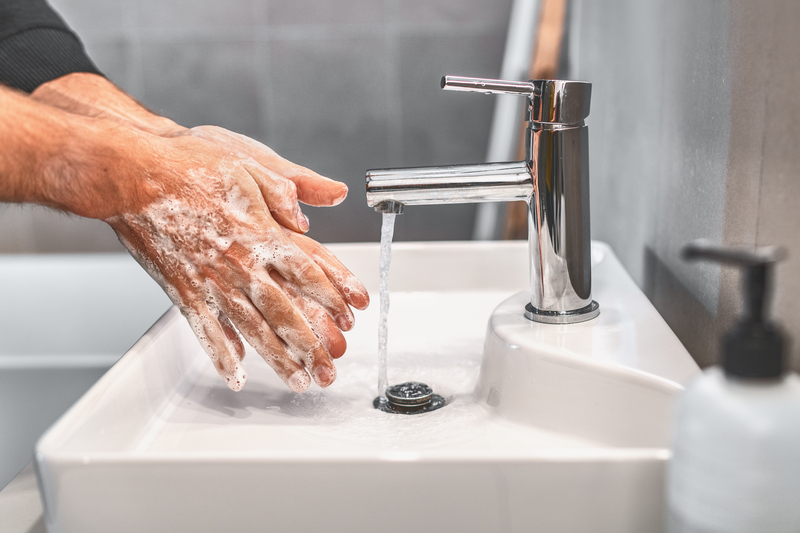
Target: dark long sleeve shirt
[{"x": 37, "y": 46}]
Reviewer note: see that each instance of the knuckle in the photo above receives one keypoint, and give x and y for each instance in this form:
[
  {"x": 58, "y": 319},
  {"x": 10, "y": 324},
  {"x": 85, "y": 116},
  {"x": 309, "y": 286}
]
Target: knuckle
[{"x": 289, "y": 189}]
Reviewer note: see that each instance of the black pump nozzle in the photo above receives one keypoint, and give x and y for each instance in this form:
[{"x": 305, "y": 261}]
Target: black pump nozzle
[{"x": 754, "y": 346}]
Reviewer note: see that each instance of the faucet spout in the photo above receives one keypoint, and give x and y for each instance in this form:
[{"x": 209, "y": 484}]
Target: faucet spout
[
  {"x": 389, "y": 206},
  {"x": 491, "y": 182}
]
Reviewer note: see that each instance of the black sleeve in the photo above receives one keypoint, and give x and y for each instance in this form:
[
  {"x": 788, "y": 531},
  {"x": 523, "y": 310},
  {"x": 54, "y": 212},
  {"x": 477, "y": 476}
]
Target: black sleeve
[{"x": 37, "y": 46}]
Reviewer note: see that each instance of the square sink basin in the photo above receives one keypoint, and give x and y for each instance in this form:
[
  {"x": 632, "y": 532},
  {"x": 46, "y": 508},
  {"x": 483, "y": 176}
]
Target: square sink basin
[{"x": 546, "y": 428}]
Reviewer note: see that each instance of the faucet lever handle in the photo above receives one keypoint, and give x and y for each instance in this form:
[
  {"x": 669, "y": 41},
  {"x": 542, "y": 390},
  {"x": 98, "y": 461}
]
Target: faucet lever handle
[
  {"x": 552, "y": 101},
  {"x": 487, "y": 86}
]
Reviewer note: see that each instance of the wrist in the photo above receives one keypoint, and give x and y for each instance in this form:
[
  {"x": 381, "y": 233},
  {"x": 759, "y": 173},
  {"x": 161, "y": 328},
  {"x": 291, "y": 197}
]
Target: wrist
[
  {"x": 93, "y": 95},
  {"x": 91, "y": 167},
  {"x": 153, "y": 124},
  {"x": 98, "y": 169}
]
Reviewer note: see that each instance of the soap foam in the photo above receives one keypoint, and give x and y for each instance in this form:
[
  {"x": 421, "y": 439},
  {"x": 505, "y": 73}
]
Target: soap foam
[{"x": 184, "y": 244}]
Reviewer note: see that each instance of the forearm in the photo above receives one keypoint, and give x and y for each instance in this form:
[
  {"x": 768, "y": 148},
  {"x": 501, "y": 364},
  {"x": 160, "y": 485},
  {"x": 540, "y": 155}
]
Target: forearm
[
  {"x": 58, "y": 159},
  {"x": 94, "y": 96}
]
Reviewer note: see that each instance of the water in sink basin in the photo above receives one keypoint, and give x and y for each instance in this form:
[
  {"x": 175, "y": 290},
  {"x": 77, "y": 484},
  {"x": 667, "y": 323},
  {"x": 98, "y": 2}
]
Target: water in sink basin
[{"x": 205, "y": 416}]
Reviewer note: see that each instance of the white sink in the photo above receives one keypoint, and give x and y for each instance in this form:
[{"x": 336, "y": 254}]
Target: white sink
[
  {"x": 612, "y": 379},
  {"x": 561, "y": 428},
  {"x": 64, "y": 320}
]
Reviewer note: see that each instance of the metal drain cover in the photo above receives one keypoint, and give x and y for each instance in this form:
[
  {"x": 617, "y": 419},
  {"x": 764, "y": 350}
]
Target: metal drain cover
[{"x": 409, "y": 398}]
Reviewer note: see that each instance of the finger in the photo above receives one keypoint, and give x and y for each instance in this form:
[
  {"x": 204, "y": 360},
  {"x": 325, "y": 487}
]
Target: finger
[
  {"x": 224, "y": 353},
  {"x": 298, "y": 268},
  {"x": 258, "y": 333},
  {"x": 295, "y": 266},
  {"x": 311, "y": 280},
  {"x": 346, "y": 283},
  {"x": 280, "y": 312},
  {"x": 320, "y": 321},
  {"x": 312, "y": 188},
  {"x": 289, "y": 324},
  {"x": 212, "y": 328},
  {"x": 232, "y": 335},
  {"x": 280, "y": 195}
]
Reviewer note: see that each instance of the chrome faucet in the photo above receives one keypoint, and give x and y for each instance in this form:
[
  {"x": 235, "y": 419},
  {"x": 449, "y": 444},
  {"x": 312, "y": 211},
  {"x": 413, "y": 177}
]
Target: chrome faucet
[{"x": 553, "y": 180}]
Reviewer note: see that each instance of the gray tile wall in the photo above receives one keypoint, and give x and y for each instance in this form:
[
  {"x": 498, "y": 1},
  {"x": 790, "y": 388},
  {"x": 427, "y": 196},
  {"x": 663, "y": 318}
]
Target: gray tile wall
[
  {"x": 338, "y": 86},
  {"x": 695, "y": 127}
]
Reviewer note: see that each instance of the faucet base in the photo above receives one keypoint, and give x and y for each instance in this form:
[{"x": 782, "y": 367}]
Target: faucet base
[{"x": 568, "y": 317}]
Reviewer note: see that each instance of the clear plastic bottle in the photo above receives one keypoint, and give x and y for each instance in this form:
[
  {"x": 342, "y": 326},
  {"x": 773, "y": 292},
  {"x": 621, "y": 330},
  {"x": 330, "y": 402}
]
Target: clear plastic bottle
[{"x": 735, "y": 466}]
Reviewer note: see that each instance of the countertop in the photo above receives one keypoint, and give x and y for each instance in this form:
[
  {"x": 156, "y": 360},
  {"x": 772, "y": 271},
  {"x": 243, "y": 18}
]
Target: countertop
[{"x": 20, "y": 504}]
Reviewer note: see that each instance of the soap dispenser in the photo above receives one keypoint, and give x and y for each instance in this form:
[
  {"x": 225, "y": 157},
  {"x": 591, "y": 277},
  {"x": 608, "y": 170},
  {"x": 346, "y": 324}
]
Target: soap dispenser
[{"x": 735, "y": 463}]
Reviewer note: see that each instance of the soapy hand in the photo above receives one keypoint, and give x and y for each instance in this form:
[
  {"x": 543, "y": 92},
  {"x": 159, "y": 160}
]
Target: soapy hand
[
  {"x": 202, "y": 229},
  {"x": 203, "y": 215},
  {"x": 284, "y": 183}
]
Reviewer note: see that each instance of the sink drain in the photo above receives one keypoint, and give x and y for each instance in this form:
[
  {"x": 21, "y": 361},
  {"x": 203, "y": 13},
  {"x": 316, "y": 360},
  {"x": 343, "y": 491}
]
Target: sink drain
[{"x": 409, "y": 398}]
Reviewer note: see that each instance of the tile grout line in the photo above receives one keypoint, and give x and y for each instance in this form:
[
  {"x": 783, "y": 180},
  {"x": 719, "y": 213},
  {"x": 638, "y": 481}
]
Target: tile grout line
[
  {"x": 394, "y": 136},
  {"x": 264, "y": 31},
  {"x": 135, "y": 76},
  {"x": 770, "y": 59},
  {"x": 263, "y": 66}
]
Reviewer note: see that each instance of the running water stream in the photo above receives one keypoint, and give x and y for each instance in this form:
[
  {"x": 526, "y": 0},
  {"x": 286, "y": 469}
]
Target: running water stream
[{"x": 387, "y": 233}]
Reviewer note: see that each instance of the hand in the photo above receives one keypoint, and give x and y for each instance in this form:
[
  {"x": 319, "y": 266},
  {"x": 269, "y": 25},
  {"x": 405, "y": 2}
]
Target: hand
[
  {"x": 172, "y": 262},
  {"x": 345, "y": 282},
  {"x": 282, "y": 185},
  {"x": 287, "y": 181},
  {"x": 198, "y": 223}
]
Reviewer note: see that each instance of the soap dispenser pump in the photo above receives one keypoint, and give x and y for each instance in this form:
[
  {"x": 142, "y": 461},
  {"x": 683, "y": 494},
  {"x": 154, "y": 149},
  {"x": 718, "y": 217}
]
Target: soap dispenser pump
[{"x": 735, "y": 463}]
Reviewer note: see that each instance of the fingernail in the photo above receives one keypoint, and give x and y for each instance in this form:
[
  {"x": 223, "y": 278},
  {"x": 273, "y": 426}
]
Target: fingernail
[
  {"x": 362, "y": 291},
  {"x": 302, "y": 221},
  {"x": 299, "y": 381},
  {"x": 324, "y": 375},
  {"x": 341, "y": 196},
  {"x": 344, "y": 322}
]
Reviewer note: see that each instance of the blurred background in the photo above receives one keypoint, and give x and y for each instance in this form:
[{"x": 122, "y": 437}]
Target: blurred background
[{"x": 694, "y": 128}]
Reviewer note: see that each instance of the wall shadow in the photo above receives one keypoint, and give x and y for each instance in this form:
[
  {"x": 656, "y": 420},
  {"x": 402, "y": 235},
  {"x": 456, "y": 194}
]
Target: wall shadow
[{"x": 697, "y": 328}]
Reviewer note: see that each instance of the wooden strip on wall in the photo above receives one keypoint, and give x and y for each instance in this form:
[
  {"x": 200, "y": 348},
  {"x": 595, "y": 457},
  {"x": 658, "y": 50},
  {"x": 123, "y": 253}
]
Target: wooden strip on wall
[{"x": 544, "y": 65}]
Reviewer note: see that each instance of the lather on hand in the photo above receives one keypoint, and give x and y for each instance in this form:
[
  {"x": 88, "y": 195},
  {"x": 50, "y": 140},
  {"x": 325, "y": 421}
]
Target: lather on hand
[{"x": 204, "y": 232}]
